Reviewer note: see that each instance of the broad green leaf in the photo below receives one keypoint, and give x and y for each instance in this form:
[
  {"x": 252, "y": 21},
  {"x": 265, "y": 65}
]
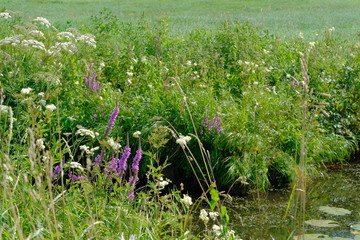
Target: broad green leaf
[
  {"x": 356, "y": 227},
  {"x": 313, "y": 236},
  {"x": 334, "y": 210},
  {"x": 322, "y": 223}
]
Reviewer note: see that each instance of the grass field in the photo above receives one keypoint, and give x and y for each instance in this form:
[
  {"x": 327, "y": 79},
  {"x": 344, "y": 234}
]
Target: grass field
[
  {"x": 280, "y": 17},
  {"x": 116, "y": 128}
]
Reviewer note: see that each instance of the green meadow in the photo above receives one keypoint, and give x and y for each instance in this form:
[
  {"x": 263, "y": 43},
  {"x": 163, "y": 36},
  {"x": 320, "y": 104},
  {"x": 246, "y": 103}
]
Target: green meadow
[
  {"x": 144, "y": 119},
  {"x": 281, "y": 17}
]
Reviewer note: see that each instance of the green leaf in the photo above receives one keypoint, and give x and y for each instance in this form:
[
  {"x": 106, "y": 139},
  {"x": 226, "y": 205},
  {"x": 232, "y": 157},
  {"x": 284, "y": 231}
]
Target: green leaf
[
  {"x": 334, "y": 210},
  {"x": 322, "y": 223},
  {"x": 312, "y": 236},
  {"x": 356, "y": 227}
]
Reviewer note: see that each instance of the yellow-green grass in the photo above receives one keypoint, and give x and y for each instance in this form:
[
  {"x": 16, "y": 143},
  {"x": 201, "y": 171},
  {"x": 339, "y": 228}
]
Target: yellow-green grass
[{"x": 280, "y": 17}]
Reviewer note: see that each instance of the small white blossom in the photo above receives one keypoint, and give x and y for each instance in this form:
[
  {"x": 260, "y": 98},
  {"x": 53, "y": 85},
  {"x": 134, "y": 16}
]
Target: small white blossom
[
  {"x": 187, "y": 200},
  {"x": 183, "y": 140},
  {"x": 26, "y": 90},
  {"x": 144, "y": 59},
  {"x": 65, "y": 36},
  {"x": 41, "y": 94},
  {"x": 37, "y": 33},
  {"x": 161, "y": 184},
  {"x": 130, "y": 74},
  {"x": 4, "y": 109},
  {"x": 40, "y": 144},
  {"x": 42, "y": 21},
  {"x": 5, "y": 15},
  {"x": 217, "y": 229},
  {"x": 114, "y": 145},
  {"x": 34, "y": 44},
  {"x": 85, "y": 132},
  {"x": 204, "y": 216},
  {"x": 88, "y": 39},
  {"x": 63, "y": 46},
  {"x": 50, "y": 107},
  {"x": 312, "y": 44},
  {"x": 71, "y": 118},
  {"x": 213, "y": 215},
  {"x": 76, "y": 165},
  {"x": 136, "y": 134}
]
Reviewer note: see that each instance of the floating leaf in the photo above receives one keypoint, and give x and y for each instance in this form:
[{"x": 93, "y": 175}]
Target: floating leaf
[
  {"x": 356, "y": 227},
  {"x": 313, "y": 236},
  {"x": 322, "y": 223},
  {"x": 334, "y": 210}
]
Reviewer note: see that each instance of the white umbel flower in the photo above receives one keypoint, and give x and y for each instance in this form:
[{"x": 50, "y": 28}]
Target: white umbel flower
[
  {"x": 42, "y": 21},
  {"x": 5, "y": 15},
  {"x": 183, "y": 140},
  {"x": 26, "y": 90},
  {"x": 76, "y": 165},
  {"x": 50, "y": 107},
  {"x": 187, "y": 200},
  {"x": 136, "y": 134},
  {"x": 114, "y": 145},
  {"x": 204, "y": 216}
]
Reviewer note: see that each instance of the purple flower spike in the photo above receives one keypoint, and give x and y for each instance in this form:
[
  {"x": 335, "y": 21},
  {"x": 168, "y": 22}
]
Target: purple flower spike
[
  {"x": 123, "y": 161},
  {"x": 111, "y": 123},
  {"x": 136, "y": 161},
  {"x": 75, "y": 178},
  {"x": 57, "y": 171}
]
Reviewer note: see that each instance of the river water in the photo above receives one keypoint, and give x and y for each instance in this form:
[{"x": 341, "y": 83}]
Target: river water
[{"x": 261, "y": 215}]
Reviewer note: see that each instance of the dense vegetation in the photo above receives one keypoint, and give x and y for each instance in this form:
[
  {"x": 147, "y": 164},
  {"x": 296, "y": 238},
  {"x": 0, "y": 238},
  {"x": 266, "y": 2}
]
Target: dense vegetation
[{"x": 222, "y": 106}]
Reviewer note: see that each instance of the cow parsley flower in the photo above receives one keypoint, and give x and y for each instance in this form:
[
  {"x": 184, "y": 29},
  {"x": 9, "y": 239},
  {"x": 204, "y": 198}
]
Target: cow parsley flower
[
  {"x": 26, "y": 90},
  {"x": 50, "y": 107},
  {"x": 114, "y": 145},
  {"x": 42, "y": 21},
  {"x": 5, "y": 15},
  {"x": 40, "y": 144},
  {"x": 204, "y": 216},
  {"x": 137, "y": 134},
  {"x": 187, "y": 200},
  {"x": 183, "y": 140}
]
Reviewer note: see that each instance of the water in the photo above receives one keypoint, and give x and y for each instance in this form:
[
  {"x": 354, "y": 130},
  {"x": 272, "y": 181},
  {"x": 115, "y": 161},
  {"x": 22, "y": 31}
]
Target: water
[{"x": 255, "y": 217}]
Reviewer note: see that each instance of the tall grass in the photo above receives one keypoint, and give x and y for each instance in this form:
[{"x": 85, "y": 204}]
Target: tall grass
[{"x": 219, "y": 108}]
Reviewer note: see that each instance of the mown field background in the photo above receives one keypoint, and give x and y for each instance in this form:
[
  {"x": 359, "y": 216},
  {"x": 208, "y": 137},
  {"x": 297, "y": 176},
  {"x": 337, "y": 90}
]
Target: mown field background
[{"x": 281, "y": 17}]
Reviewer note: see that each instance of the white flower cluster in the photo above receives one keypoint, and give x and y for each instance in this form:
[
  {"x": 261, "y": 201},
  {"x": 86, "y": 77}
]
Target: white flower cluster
[
  {"x": 42, "y": 21},
  {"x": 37, "y": 33},
  {"x": 50, "y": 107},
  {"x": 26, "y": 90},
  {"x": 204, "y": 216},
  {"x": 183, "y": 140},
  {"x": 65, "y": 36},
  {"x": 86, "y": 132},
  {"x": 40, "y": 144},
  {"x": 34, "y": 44},
  {"x": 63, "y": 46},
  {"x": 88, "y": 39},
  {"x": 114, "y": 145},
  {"x": 13, "y": 41},
  {"x": 88, "y": 150},
  {"x": 187, "y": 200},
  {"x": 137, "y": 134},
  {"x": 4, "y": 109},
  {"x": 161, "y": 184},
  {"x": 76, "y": 165},
  {"x": 5, "y": 15}
]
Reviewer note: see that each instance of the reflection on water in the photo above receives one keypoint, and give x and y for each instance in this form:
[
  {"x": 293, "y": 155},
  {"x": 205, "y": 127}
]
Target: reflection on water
[{"x": 263, "y": 218}]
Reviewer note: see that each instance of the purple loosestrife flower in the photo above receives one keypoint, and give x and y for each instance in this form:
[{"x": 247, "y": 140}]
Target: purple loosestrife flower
[
  {"x": 98, "y": 159},
  {"x": 213, "y": 125},
  {"x": 113, "y": 166},
  {"x": 136, "y": 161},
  {"x": 135, "y": 169},
  {"x": 123, "y": 161},
  {"x": 90, "y": 82},
  {"x": 75, "y": 178},
  {"x": 57, "y": 171},
  {"x": 111, "y": 123}
]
